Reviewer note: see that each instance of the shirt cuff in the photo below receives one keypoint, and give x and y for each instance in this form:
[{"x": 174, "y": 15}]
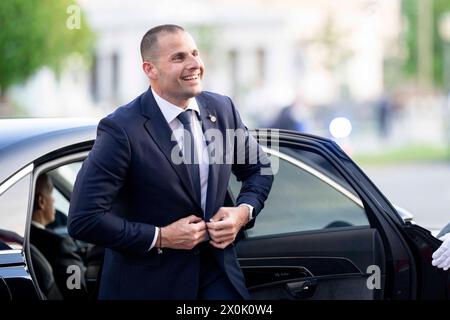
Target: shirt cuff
[
  {"x": 154, "y": 239},
  {"x": 250, "y": 210}
]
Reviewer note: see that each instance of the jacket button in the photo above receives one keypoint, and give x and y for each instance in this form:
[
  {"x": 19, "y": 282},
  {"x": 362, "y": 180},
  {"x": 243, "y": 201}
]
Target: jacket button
[{"x": 196, "y": 251}]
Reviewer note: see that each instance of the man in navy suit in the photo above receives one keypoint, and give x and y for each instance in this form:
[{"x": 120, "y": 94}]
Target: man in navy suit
[{"x": 162, "y": 220}]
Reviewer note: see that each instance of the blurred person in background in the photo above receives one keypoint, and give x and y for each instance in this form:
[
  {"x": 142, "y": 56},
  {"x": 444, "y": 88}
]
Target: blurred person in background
[
  {"x": 387, "y": 109},
  {"x": 296, "y": 116},
  {"x": 384, "y": 110}
]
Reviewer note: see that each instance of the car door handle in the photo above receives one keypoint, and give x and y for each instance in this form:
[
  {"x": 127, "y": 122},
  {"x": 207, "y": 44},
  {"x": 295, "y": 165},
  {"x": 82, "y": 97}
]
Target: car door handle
[{"x": 302, "y": 289}]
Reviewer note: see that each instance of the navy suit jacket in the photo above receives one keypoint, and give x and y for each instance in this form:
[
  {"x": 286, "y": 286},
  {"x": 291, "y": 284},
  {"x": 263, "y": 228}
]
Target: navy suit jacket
[{"x": 129, "y": 184}]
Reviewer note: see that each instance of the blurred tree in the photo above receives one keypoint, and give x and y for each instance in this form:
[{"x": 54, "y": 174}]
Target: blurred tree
[
  {"x": 36, "y": 33},
  {"x": 423, "y": 42},
  {"x": 332, "y": 41}
]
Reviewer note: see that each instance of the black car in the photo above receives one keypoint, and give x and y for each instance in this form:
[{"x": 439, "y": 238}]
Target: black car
[{"x": 326, "y": 231}]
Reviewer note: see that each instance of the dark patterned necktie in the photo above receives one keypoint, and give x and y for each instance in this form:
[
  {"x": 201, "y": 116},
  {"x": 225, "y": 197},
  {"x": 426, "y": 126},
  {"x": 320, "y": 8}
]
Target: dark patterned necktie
[{"x": 190, "y": 151}]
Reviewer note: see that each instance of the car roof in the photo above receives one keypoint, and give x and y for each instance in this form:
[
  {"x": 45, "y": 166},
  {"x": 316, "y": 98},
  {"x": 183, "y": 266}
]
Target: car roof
[{"x": 24, "y": 140}]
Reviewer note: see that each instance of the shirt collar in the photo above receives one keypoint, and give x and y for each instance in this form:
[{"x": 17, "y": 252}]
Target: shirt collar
[
  {"x": 171, "y": 111},
  {"x": 37, "y": 224}
]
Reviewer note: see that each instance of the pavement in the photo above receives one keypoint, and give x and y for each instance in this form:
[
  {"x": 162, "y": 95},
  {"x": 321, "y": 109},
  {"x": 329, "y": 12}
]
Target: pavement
[{"x": 422, "y": 189}]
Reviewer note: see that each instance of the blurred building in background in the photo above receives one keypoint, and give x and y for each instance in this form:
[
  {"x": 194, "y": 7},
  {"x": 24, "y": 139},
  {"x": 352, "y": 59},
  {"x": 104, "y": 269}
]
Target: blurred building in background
[
  {"x": 262, "y": 53},
  {"x": 258, "y": 52}
]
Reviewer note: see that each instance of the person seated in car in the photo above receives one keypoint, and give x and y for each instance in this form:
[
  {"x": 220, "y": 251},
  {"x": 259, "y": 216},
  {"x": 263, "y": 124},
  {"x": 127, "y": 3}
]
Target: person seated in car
[{"x": 68, "y": 267}]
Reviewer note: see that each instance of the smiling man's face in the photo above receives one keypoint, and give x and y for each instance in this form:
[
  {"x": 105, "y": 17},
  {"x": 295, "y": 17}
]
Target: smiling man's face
[{"x": 177, "y": 71}]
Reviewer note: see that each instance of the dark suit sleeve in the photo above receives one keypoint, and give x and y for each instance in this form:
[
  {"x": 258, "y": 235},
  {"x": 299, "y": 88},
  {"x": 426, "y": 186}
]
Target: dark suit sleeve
[
  {"x": 254, "y": 173},
  {"x": 98, "y": 184}
]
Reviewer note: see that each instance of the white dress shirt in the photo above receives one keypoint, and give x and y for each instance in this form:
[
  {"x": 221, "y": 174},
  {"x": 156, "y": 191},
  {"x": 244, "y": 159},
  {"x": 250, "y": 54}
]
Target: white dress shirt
[
  {"x": 170, "y": 113},
  {"x": 38, "y": 225}
]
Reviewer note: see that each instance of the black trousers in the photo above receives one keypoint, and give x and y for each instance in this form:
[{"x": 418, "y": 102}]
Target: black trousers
[{"x": 214, "y": 282}]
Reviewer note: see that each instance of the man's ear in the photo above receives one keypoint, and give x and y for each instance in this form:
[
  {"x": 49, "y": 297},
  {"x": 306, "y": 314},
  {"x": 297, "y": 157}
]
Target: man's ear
[
  {"x": 41, "y": 202},
  {"x": 150, "y": 70}
]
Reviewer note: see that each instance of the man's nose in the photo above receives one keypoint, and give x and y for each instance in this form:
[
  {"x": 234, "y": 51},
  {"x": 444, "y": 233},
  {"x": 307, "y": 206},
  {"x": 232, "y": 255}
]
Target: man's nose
[{"x": 195, "y": 62}]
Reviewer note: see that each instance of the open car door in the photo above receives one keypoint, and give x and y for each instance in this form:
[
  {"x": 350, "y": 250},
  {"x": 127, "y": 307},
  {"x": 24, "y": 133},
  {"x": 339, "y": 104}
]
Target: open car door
[{"x": 327, "y": 232}]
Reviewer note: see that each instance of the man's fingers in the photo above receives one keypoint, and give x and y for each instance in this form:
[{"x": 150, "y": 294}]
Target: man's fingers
[
  {"x": 220, "y": 233},
  {"x": 199, "y": 226},
  {"x": 214, "y": 235},
  {"x": 193, "y": 219},
  {"x": 219, "y": 245},
  {"x": 216, "y": 219},
  {"x": 223, "y": 239},
  {"x": 218, "y": 225},
  {"x": 220, "y": 215},
  {"x": 211, "y": 225}
]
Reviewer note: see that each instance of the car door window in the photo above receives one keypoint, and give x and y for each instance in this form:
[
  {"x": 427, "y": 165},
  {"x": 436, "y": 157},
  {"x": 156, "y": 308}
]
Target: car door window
[
  {"x": 13, "y": 212},
  {"x": 61, "y": 203},
  {"x": 63, "y": 179},
  {"x": 305, "y": 197},
  {"x": 68, "y": 173}
]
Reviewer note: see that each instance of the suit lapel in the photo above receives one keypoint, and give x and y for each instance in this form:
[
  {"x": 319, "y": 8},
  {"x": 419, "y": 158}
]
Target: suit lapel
[
  {"x": 161, "y": 133},
  {"x": 206, "y": 113}
]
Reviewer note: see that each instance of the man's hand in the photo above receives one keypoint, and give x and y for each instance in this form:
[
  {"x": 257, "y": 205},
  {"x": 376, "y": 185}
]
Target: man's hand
[
  {"x": 441, "y": 257},
  {"x": 184, "y": 234},
  {"x": 225, "y": 225}
]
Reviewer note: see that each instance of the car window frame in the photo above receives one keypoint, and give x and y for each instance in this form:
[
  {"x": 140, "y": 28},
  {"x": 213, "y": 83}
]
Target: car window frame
[
  {"x": 10, "y": 183},
  {"x": 16, "y": 177},
  {"x": 352, "y": 196},
  {"x": 316, "y": 173},
  {"x": 38, "y": 169}
]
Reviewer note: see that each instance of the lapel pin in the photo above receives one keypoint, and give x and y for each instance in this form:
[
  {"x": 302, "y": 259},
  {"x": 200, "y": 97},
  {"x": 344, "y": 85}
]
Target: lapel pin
[{"x": 212, "y": 118}]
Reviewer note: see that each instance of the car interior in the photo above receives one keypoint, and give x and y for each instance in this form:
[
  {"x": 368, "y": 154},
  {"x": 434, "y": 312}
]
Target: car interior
[
  {"x": 62, "y": 178},
  {"x": 299, "y": 248}
]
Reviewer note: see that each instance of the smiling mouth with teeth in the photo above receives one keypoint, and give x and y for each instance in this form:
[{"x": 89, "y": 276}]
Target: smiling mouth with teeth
[{"x": 188, "y": 78}]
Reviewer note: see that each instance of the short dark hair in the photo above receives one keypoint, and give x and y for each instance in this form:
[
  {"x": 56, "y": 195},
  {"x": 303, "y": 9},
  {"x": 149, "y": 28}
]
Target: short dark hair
[
  {"x": 43, "y": 184},
  {"x": 149, "y": 41}
]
